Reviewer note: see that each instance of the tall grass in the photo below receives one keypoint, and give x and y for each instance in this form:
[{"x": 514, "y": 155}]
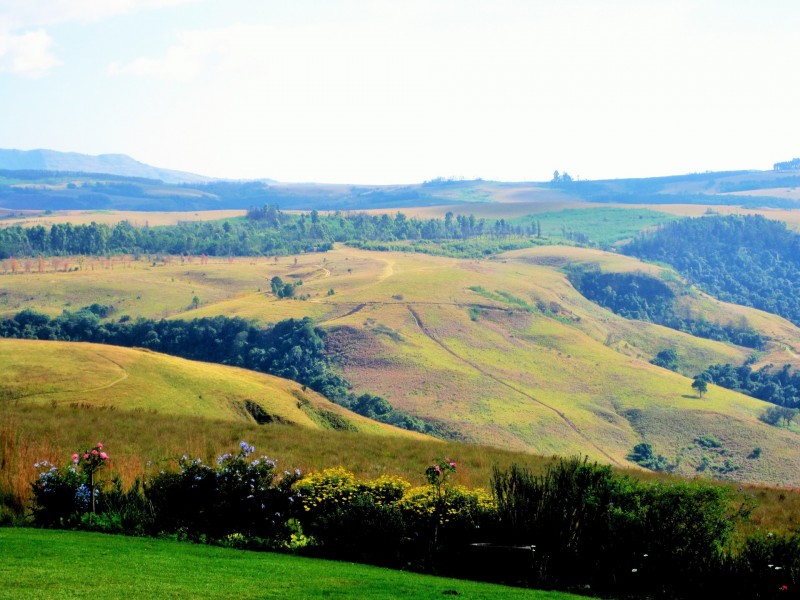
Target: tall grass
[{"x": 142, "y": 443}]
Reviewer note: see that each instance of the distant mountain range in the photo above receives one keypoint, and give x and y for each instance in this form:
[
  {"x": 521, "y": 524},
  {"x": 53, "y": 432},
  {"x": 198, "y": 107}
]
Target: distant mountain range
[
  {"x": 110, "y": 164},
  {"x": 50, "y": 180}
]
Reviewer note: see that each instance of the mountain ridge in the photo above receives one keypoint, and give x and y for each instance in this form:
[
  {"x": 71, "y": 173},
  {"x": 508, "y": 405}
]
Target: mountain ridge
[{"x": 109, "y": 164}]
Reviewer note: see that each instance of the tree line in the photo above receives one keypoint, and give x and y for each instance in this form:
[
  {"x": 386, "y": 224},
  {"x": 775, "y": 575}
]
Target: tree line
[
  {"x": 266, "y": 231},
  {"x": 639, "y": 296},
  {"x": 780, "y": 387}
]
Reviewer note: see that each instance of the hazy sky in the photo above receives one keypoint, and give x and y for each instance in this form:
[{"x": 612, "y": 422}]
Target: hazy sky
[{"x": 375, "y": 91}]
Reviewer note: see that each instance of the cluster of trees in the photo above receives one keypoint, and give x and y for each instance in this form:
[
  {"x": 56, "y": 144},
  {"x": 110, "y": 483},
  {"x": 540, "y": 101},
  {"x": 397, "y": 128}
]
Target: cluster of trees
[
  {"x": 265, "y": 232},
  {"x": 780, "y": 387},
  {"x": 747, "y": 260},
  {"x": 293, "y": 349},
  {"x": 639, "y": 296},
  {"x": 789, "y": 165}
]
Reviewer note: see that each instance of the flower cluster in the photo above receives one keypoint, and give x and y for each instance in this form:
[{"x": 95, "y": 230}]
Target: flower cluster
[
  {"x": 424, "y": 503},
  {"x": 63, "y": 494},
  {"x": 91, "y": 460}
]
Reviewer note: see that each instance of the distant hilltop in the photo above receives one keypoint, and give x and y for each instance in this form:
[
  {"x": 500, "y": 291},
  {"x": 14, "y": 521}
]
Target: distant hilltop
[{"x": 110, "y": 164}]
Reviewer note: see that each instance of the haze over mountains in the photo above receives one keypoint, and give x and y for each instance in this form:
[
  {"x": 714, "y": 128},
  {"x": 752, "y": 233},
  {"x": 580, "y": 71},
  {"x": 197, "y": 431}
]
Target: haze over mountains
[
  {"x": 111, "y": 164},
  {"x": 49, "y": 180}
]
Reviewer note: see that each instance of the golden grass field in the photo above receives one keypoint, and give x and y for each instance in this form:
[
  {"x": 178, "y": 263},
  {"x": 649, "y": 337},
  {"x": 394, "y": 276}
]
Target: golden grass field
[{"x": 486, "y": 363}]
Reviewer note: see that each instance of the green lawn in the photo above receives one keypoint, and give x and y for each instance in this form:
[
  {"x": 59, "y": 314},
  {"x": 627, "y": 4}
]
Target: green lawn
[{"x": 36, "y": 563}]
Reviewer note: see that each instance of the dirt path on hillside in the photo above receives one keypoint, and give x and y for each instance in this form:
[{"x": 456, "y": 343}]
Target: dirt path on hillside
[
  {"x": 83, "y": 390},
  {"x": 347, "y": 314},
  {"x": 485, "y": 373}
]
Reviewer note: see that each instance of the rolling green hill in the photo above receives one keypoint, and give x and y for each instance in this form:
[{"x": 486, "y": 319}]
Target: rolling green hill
[{"x": 504, "y": 351}]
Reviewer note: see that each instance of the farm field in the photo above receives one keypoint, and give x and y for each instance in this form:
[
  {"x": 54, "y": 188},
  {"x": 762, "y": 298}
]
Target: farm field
[
  {"x": 505, "y": 351},
  {"x": 112, "y": 217},
  {"x": 41, "y": 563}
]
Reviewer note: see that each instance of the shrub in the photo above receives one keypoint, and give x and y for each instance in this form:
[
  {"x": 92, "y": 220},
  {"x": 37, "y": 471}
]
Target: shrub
[
  {"x": 61, "y": 495},
  {"x": 593, "y": 528},
  {"x": 238, "y": 495},
  {"x": 766, "y": 566}
]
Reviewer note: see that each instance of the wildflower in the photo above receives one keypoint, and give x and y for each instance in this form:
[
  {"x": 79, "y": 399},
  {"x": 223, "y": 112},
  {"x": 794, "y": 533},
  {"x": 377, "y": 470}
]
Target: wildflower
[
  {"x": 100, "y": 445},
  {"x": 75, "y": 458},
  {"x": 103, "y": 455},
  {"x": 94, "y": 452},
  {"x": 86, "y": 456}
]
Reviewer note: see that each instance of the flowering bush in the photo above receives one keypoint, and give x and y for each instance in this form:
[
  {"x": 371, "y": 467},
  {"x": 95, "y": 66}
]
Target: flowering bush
[
  {"x": 321, "y": 492},
  {"x": 62, "y": 494},
  {"x": 239, "y": 495},
  {"x": 456, "y": 504}
]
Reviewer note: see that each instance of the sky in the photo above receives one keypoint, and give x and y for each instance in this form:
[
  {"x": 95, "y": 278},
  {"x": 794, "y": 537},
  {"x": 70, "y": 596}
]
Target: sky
[{"x": 401, "y": 91}]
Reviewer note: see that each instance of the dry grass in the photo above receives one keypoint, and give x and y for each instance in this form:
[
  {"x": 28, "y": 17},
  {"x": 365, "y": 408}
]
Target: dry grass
[{"x": 112, "y": 217}]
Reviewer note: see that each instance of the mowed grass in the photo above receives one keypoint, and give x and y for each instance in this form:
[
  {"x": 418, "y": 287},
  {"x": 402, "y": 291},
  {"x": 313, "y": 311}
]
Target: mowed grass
[{"x": 72, "y": 565}]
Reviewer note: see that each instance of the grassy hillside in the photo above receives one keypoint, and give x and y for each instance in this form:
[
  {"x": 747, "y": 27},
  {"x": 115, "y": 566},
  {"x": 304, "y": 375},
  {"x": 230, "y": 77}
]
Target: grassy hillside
[
  {"x": 39, "y": 564},
  {"x": 504, "y": 350},
  {"x": 98, "y": 377}
]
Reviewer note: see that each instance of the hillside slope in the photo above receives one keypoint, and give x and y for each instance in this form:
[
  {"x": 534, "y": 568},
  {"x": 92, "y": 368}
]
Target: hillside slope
[
  {"x": 98, "y": 377},
  {"x": 505, "y": 351}
]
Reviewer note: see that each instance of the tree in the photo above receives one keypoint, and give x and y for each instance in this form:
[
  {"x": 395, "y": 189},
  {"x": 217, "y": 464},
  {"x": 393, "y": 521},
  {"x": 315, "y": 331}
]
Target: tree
[
  {"x": 774, "y": 414},
  {"x": 701, "y": 385},
  {"x": 667, "y": 358}
]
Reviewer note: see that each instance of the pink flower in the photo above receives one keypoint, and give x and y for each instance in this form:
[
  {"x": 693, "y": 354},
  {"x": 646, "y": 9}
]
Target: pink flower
[
  {"x": 437, "y": 469},
  {"x": 86, "y": 456},
  {"x": 100, "y": 445},
  {"x": 452, "y": 464},
  {"x": 103, "y": 455},
  {"x": 75, "y": 458},
  {"x": 94, "y": 452}
]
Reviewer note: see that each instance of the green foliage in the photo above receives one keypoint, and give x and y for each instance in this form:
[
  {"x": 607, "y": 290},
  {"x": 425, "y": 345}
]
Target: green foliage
[
  {"x": 63, "y": 495},
  {"x": 642, "y": 297},
  {"x": 237, "y": 495},
  {"x": 780, "y": 387},
  {"x": 701, "y": 385},
  {"x": 767, "y": 566},
  {"x": 644, "y": 456},
  {"x": 593, "y": 528},
  {"x": 708, "y": 441},
  {"x": 744, "y": 259},
  {"x": 667, "y": 358},
  {"x": 775, "y": 414}
]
